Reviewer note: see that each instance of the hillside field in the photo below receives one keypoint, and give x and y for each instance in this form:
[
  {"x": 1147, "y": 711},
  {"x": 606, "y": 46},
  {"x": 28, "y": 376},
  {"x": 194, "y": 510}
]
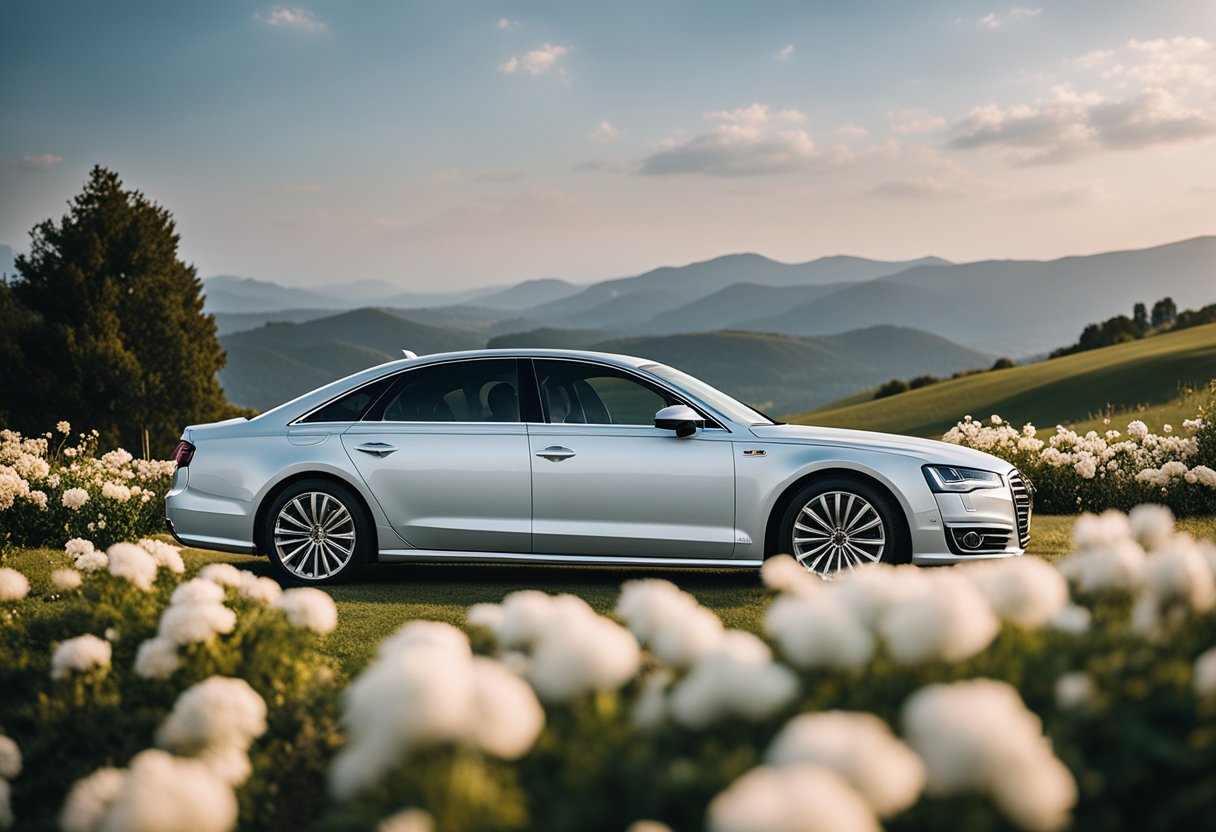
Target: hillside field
[{"x": 1139, "y": 374}]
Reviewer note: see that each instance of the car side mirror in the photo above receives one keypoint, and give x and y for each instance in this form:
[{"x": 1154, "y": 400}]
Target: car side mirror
[{"x": 681, "y": 418}]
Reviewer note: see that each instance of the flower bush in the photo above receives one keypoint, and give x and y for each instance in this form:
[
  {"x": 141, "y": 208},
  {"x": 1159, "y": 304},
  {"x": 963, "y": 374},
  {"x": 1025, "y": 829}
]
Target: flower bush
[
  {"x": 54, "y": 488},
  {"x": 1004, "y": 694},
  {"x": 1118, "y": 469}
]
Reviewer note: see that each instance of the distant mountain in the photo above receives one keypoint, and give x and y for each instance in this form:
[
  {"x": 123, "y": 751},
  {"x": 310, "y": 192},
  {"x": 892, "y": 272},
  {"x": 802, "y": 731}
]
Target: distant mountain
[
  {"x": 781, "y": 374},
  {"x": 549, "y": 338},
  {"x": 229, "y": 322},
  {"x": 737, "y": 305},
  {"x": 529, "y": 293},
  {"x": 278, "y": 361},
  {"x": 226, "y": 293},
  {"x": 697, "y": 280},
  {"x": 7, "y": 254},
  {"x": 861, "y": 305}
]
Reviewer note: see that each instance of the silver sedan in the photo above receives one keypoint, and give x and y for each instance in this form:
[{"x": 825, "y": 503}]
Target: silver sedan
[{"x": 559, "y": 456}]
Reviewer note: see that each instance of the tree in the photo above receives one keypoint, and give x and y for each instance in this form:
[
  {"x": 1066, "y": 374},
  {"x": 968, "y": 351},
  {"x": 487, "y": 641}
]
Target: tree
[
  {"x": 1140, "y": 316},
  {"x": 1164, "y": 312},
  {"x": 115, "y": 336}
]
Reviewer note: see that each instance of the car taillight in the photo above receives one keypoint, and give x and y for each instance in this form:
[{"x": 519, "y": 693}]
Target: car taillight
[{"x": 183, "y": 454}]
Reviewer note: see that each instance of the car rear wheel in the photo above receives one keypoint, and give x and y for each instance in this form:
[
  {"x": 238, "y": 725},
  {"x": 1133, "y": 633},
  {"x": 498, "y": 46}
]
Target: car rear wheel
[
  {"x": 841, "y": 523},
  {"x": 317, "y": 532}
]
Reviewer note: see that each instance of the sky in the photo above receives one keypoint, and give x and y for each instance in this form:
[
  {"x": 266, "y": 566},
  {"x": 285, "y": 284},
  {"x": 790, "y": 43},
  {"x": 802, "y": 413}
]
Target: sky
[{"x": 445, "y": 145}]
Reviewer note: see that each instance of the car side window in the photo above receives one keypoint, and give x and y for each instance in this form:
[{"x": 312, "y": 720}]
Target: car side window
[
  {"x": 575, "y": 392},
  {"x": 352, "y": 406},
  {"x": 485, "y": 390}
]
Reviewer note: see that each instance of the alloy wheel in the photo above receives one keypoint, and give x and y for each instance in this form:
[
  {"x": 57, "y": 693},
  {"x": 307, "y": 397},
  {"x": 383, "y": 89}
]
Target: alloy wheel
[
  {"x": 314, "y": 535},
  {"x": 838, "y": 530}
]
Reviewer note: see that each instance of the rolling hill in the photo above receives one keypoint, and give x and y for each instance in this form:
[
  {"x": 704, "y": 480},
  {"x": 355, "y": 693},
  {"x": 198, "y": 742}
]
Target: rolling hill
[
  {"x": 279, "y": 361},
  {"x": 1063, "y": 390},
  {"x": 779, "y": 373}
]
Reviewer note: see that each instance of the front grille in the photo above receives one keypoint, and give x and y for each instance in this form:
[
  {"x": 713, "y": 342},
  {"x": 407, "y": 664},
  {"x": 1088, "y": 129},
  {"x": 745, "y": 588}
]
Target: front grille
[
  {"x": 992, "y": 539},
  {"x": 1023, "y": 500}
]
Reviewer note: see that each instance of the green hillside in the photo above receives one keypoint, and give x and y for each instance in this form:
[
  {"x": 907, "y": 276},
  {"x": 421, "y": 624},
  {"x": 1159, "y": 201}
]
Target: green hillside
[
  {"x": 1064, "y": 390},
  {"x": 781, "y": 373}
]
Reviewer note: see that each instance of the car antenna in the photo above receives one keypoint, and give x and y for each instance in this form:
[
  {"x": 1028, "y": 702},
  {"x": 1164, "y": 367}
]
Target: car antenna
[{"x": 409, "y": 353}]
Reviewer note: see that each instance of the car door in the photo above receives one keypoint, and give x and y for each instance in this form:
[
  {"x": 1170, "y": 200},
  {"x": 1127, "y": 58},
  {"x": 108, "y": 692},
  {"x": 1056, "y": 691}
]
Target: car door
[
  {"x": 445, "y": 453},
  {"x": 607, "y": 483}
]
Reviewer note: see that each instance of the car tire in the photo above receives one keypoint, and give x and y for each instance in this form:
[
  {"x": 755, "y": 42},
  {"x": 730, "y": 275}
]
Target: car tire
[
  {"x": 840, "y": 523},
  {"x": 317, "y": 532}
]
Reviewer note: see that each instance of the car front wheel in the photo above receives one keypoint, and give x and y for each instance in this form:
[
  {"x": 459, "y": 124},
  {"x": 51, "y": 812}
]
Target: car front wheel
[
  {"x": 840, "y": 523},
  {"x": 317, "y": 532}
]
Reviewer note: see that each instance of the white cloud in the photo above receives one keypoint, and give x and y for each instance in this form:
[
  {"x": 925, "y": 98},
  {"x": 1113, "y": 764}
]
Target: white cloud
[
  {"x": 850, "y": 131},
  {"x": 507, "y": 25},
  {"x": 752, "y": 141},
  {"x": 1164, "y": 94},
  {"x": 915, "y": 120},
  {"x": 923, "y": 188},
  {"x": 784, "y": 53},
  {"x": 995, "y": 20},
  {"x": 1092, "y": 59},
  {"x": 292, "y": 17},
  {"x": 536, "y": 62},
  {"x": 604, "y": 132},
  {"x": 40, "y": 162}
]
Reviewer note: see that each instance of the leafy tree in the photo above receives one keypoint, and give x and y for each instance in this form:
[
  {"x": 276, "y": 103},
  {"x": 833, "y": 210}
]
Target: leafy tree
[
  {"x": 113, "y": 334},
  {"x": 1140, "y": 316},
  {"x": 892, "y": 388},
  {"x": 922, "y": 381},
  {"x": 1002, "y": 364},
  {"x": 1164, "y": 312}
]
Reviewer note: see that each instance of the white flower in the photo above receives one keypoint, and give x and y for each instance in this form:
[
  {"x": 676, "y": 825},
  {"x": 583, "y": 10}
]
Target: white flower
[
  {"x": 1073, "y": 619},
  {"x": 197, "y": 591},
  {"x": 221, "y": 573},
  {"x": 78, "y": 546},
  {"x": 1205, "y": 674},
  {"x": 1026, "y": 591},
  {"x": 66, "y": 579},
  {"x": 425, "y": 687},
  {"x": 581, "y": 652},
  {"x": 131, "y": 562},
  {"x": 978, "y": 736},
  {"x": 1151, "y": 525},
  {"x": 1117, "y": 566},
  {"x": 1178, "y": 571},
  {"x": 486, "y": 616},
  {"x": 115, "y": 491},
  {"x": 157, "y": 659},
  {"x": 785, "y": 574},
  {"x": 13, "y": 585},
  {"x": 92, "y": 561},
  {"x": 1201, "y": 475},
  {"x": 949, "y": 621},
  {"x": 261, "y": 590},
  {"x": 63, "y": 427},
  {"x": 860, "y": 748},
  {"x": 74, "y": 498},
  {"x": 308, "y": 608},
  {"x": 407, "y": 820},
  {"x": 10, "y": 758},
  {"x": 1137, "y": 429},
  {"x": 819, "y": 632},
  {"x": 650, "y": 709},
  {"x": 80, "y": 655},
  {"x": 1074, "y": 691},
  {"x": 647, "y": 826},
  {"x": 195, "y": 623},
  {"x": 737, "y": 679},
  {"x": 670, "y": 621},
  {"x": 1094, "y": 531},
  {"x": 161, "y": 792},
  {"x": 89, "y": 799},
  {"x": 799, "y": 798},
  {"x": 216, "y": 721},
  {"x": 1086, "y": 467},
  {"x": 165, "y": 554}
]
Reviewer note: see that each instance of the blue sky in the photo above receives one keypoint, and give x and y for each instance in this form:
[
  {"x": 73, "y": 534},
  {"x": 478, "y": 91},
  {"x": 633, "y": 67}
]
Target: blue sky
[{"x": 442, "y": 144}]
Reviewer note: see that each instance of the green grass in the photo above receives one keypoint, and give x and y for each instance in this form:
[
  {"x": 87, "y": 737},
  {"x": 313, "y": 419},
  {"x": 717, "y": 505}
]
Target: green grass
[
  {"x": 1140, "y": 374},
  {"x": 382, "y": 598}
]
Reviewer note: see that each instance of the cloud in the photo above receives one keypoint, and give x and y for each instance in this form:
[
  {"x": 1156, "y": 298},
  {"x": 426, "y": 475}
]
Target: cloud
[
  {"x": 1164, "y": 95},
  {"x": 784, "y": 53},
  {"x": 753, "y": 141},
  {"x": 915, "y": 120},
  {"x": 995, "y": 20},
  {"x": 850, "y": 131},
  {"x": 1070, "y": 196},
  {"x": 41, "y": 162},
  {"x": 507, "y": 25},
  {"x": 1092, "y": 59},
  {"x": 292, "y": 17},
  {"x": 604, "y": 132},
  {"x": 536, "y": 62},
  {"x": 923, "y": 188}
]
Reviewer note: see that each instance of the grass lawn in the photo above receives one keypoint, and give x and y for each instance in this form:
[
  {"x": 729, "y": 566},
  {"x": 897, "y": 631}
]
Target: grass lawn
[{"x": 382, "y": 598}]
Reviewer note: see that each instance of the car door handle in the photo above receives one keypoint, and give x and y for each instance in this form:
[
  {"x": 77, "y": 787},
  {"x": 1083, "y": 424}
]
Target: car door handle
[
  {"x": 380, "y": 449},
  {"x": 555, "y": 453}
]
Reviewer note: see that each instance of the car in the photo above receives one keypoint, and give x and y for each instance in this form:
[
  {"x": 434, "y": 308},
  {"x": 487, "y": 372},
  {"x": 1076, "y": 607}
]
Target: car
[{"x": 571, "y": 457}]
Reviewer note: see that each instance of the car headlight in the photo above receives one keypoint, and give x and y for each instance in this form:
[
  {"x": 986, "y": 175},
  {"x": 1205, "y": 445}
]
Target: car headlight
[{"x": 942, "y": 478}]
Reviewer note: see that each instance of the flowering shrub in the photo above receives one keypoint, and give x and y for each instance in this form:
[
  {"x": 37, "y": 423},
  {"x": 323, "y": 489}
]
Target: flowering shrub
[
  {"x": 53, "y": 488},
  {"x": 1118, "y": 469},
  {"x": 996, "y": 695}
]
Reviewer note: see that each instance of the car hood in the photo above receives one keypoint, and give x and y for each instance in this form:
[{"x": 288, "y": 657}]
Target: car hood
[{"x": 930, "y": 450}]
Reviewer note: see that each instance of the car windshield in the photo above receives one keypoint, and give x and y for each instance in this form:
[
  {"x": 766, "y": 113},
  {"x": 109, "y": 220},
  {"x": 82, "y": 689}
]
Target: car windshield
[{"x": 732, "y": 409}]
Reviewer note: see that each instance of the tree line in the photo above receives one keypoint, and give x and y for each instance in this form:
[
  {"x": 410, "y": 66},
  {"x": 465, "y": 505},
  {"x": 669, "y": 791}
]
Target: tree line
[{"x": 103, "y": 325}]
